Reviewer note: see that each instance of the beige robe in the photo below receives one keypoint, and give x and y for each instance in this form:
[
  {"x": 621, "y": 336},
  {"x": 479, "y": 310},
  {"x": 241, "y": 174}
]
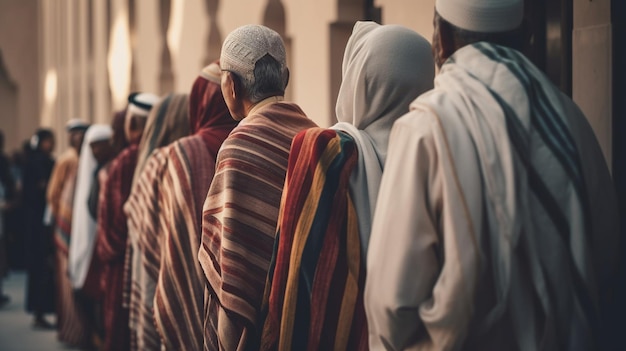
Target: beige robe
[
  {"x": 66, "y": 165},
  {"x": 462, "y": 254}
]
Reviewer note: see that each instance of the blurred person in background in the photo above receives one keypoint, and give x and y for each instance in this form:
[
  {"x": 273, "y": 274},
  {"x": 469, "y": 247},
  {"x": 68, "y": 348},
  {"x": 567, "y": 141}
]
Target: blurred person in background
[
  {"x": 115, "y": 184},
  {"x": 15, "y": 214},
  {"x": 70, "y": 327},
  {"x": 39, "y": 248},
  {"x": 7, "y": 195},
  {"x": 83, "y": 276},
  {"x": 166, "y": 124}
]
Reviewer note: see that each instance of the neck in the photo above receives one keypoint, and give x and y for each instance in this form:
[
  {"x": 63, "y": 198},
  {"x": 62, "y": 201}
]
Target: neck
[{"x": 251, "y": 108}]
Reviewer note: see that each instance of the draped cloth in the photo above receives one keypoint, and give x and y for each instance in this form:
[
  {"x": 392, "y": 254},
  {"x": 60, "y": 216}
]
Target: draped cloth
[
  {"x": 144, "y": 215},
  {"x": 167, "y": 122},
  {"x": 239, "y": 220},
  {"x": 71, "y": 328},
  {"x": 496, "y": 223},
  {"x": 317, "y": 274},
  {"x": 83, "y": 225},
  {"x": 111, "y": 246},
  {"x": 179, "y": 296},
  {"x": 384, "y": 69},
  {"x": 164, "y": 125}
]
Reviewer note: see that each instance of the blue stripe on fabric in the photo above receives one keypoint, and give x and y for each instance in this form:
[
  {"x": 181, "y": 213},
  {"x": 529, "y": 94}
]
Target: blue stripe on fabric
[
  {"x": 542, "y": 192},
  {"x": 314, "y": 244}
]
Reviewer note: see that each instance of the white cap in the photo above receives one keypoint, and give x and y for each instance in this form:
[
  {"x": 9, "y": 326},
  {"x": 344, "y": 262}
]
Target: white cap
[
  {"x": 482, "y": 16},
  {"x": 98, "y": 132},
  {"x": 212, "y": 72},
  {"x": 244, "y": 46},
  {"x": 140, "y": 104},
  {"x": 76, "y": 124}
]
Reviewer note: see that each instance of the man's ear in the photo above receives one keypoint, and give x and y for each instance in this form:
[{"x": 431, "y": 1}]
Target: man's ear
[{"x": 235, "y": 87}]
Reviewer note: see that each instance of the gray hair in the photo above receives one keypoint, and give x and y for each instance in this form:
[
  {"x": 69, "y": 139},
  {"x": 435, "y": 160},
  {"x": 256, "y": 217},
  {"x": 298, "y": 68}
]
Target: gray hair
[{"x": 270, "y": 79}]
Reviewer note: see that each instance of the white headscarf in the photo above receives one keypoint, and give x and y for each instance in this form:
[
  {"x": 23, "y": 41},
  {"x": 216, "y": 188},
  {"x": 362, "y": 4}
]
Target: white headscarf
[
  {"x": 83, "y": 226},
  {"x": 384, "y": 69}
]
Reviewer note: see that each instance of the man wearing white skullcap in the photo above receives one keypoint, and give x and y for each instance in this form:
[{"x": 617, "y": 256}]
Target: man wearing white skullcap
[
  {"x": 496, "y": 222},
  {"x": 241, "y": 208}
]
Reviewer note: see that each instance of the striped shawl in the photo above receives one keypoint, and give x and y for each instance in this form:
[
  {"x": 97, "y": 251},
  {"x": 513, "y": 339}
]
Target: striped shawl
[
  {"x": 179, "y": 297},
  {"x": 111, "y": 246},
  {"x": 145, "y": 214},
  {"x": 239, "y": 222},
  {"x": 314, "y": 294}
]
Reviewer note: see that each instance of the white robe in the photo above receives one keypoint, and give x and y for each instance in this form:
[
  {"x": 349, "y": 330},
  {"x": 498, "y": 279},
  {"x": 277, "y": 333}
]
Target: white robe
[
  {"x": 463, "y": 253},
  {"x": 83, "y": 237}
]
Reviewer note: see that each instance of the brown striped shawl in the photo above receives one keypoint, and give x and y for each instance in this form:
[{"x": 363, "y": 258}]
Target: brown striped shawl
[
  {"x": 239, "y": 223},
  {"x": 144, "y": 213},
  {"x": 178, "y": 301},
  {"x": 111, "y": 246}
]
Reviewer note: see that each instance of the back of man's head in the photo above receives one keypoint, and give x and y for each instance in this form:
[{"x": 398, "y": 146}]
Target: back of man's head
[
  {"x": 256, "y": 55},
  {"x": 463, "y": 22}
]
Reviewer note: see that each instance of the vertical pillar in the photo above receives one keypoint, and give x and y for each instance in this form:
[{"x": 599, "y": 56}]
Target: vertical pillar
[
  {"x": 274, "y": 17},
  {"x": 214, "y": 36},
  {"x": 348, "y": 12},
  {"x": 100, "y": 78},
  {"x": 70, "y": 38},
  {"x": 47, "y": 62},
  {"x": 166, "y": 76},
  {"x": 132, "y": 27},
  {"x": 83, "y": 68}
]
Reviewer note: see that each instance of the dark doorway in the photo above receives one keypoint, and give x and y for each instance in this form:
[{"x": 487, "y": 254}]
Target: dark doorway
[{"x": 550, "y": 45}]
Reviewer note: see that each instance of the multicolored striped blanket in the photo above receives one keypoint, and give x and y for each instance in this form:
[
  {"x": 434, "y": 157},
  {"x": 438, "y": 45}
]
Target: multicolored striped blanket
[{"x": 314, "y": 292}]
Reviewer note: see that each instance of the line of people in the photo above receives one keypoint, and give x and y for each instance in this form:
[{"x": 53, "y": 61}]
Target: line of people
[{"x": 471, "y": 210}]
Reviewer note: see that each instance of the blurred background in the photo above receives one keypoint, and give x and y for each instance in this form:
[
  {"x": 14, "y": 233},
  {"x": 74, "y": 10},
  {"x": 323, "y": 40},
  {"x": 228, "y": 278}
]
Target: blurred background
[{"x": 61, "y": 59}]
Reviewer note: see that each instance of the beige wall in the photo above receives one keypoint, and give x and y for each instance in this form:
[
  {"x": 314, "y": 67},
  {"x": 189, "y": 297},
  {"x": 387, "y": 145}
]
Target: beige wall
[
  {"x": 307, "y": 26},
  {"x": 417, "y": 15},
  {"x": 19, "y": 19},
  {"x": 149, "y": 44}
]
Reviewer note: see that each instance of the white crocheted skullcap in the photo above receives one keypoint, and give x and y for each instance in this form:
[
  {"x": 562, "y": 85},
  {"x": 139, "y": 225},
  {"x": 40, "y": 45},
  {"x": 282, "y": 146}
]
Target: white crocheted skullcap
[
  {"x": 244, "y": 46},
  {"x": 482, "y": 16}
]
